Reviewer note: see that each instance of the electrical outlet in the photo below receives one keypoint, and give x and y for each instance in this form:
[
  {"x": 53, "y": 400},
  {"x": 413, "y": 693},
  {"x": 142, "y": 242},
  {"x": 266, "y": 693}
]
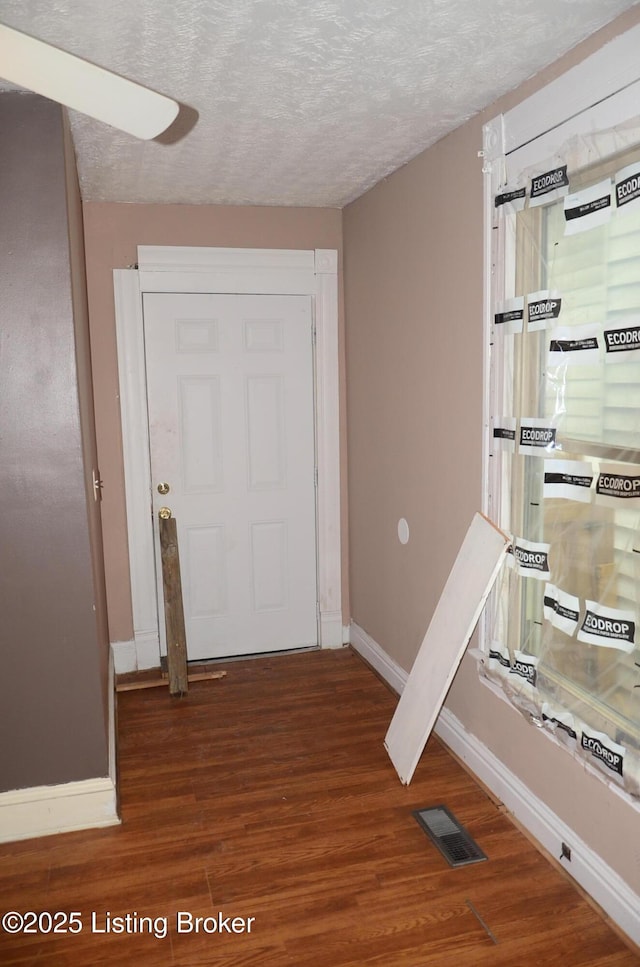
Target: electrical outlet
[{"x": 566, "y": 852}]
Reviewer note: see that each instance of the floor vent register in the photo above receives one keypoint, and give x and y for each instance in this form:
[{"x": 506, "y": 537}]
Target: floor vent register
[{"x": 452, "y": 839}]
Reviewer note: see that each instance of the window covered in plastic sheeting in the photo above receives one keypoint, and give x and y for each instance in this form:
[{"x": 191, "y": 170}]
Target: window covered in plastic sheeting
[{"x": 564, "y": 638}]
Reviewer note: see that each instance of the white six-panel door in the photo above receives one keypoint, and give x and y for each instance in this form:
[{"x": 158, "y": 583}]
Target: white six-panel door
[{"x": 231, "y": 425}]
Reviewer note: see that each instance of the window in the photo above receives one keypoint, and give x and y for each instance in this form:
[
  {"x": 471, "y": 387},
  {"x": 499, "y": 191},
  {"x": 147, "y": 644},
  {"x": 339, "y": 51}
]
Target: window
[{"x": 562, "y": 633}]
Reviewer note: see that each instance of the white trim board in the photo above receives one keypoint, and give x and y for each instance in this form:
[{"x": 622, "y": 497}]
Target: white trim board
[
  {"x": 463, "y": 597},
  {"x": 125, "y": 658},
  {"x": 588, "y": 869},
  {"x": 45, "y": 810},
  {"x": 393, "y": 674},
  {"x": 609, "y": 70},
  {"x": 87, "y": 804},
  {"x": 220, "y": 270}
]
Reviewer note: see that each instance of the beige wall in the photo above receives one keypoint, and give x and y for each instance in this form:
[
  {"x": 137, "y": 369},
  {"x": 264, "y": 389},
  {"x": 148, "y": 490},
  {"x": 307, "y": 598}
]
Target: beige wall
[
  {"x": 413, "y": 304},
  {"x": 112, "y": 232}
]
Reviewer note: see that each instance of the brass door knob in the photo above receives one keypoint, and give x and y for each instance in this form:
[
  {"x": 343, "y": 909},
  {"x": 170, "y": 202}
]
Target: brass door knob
[
  {"x": 164, "y": 513},
  {"x": 163, "y": 488}
]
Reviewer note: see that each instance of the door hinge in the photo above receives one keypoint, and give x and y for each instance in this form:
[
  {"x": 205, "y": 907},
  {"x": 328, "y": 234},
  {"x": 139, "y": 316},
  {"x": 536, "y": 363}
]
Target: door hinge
[
  {"x": 315, "y": 477},
  {"x": 97, "y": 483}
]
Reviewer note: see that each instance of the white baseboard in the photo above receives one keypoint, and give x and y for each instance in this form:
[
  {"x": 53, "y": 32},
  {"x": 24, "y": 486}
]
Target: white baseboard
[
  {"x": 144, "y": 652},
  {"x": 598, "y": 879},
  {"x": 147, "y": 650},
  {"x": 125, "y": 658},
  {"x": 44, "y": 810},
  {"x": 374, "y": 655},
  {"x": 331, "y": 629},
  {"x": 588, "y": 869},
  {"x": 133, "y": 656}
]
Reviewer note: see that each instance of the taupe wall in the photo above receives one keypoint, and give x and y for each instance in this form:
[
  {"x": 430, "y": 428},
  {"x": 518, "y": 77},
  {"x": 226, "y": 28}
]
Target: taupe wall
[
  {"x": 54, "y": 696},
  {"x": 112, "y": 232},
  {"x": 413, "y": 304}
]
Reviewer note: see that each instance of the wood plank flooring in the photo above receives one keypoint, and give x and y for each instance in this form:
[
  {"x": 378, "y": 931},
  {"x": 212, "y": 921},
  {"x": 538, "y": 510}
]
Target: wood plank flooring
[{"x": 269, "y": 795}]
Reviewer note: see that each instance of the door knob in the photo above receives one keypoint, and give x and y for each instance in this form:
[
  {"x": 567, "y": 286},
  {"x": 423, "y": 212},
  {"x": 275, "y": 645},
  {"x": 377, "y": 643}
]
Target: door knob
[
  {"x": 164, "y": 513},
  {"x": 163, "y": 488}
]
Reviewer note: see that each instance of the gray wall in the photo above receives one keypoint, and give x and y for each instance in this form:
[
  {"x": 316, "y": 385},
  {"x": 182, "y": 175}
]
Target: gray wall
[{"x": 53, "y": 643}]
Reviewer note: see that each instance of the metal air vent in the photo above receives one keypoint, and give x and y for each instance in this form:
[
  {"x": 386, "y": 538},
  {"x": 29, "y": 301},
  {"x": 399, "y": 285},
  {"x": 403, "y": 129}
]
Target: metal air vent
[{"x": 452, "y": 839}]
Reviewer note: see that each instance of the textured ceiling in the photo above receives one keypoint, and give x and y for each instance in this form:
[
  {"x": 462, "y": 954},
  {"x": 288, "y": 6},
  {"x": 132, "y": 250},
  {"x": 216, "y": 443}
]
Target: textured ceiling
[{"x": 300, "y": 102}]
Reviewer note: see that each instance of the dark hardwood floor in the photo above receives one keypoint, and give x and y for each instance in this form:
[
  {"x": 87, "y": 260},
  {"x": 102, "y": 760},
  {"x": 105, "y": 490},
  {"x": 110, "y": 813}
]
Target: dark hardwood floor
[{"x": 269, "y": 795}]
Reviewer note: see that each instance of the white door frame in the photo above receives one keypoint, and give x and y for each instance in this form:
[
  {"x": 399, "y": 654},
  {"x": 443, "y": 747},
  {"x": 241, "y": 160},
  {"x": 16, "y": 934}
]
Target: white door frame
[{"x": 231, "y": 271}]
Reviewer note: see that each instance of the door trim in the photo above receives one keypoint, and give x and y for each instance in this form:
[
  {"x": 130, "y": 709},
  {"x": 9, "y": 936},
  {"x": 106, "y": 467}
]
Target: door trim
[{"x": 220, "y": 271}]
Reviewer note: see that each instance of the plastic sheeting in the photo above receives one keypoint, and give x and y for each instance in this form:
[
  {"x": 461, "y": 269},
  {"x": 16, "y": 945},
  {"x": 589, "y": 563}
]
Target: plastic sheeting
[{"x": 565, "y": 438}]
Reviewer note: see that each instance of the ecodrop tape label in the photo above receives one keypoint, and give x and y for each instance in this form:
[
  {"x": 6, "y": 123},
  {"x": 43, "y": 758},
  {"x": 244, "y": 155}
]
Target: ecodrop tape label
[
  {"x": 570, "y": 479},
  {"x": 608, "y": 627},
  {"x": 536, "y": 438},
  {"x": 543, "y": 308}
]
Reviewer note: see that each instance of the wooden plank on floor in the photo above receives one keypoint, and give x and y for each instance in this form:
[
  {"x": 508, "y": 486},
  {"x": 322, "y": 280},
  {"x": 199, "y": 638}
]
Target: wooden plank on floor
[
  {"x": 135, "y": 685},
  {"x": 461, "y": 602}
]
